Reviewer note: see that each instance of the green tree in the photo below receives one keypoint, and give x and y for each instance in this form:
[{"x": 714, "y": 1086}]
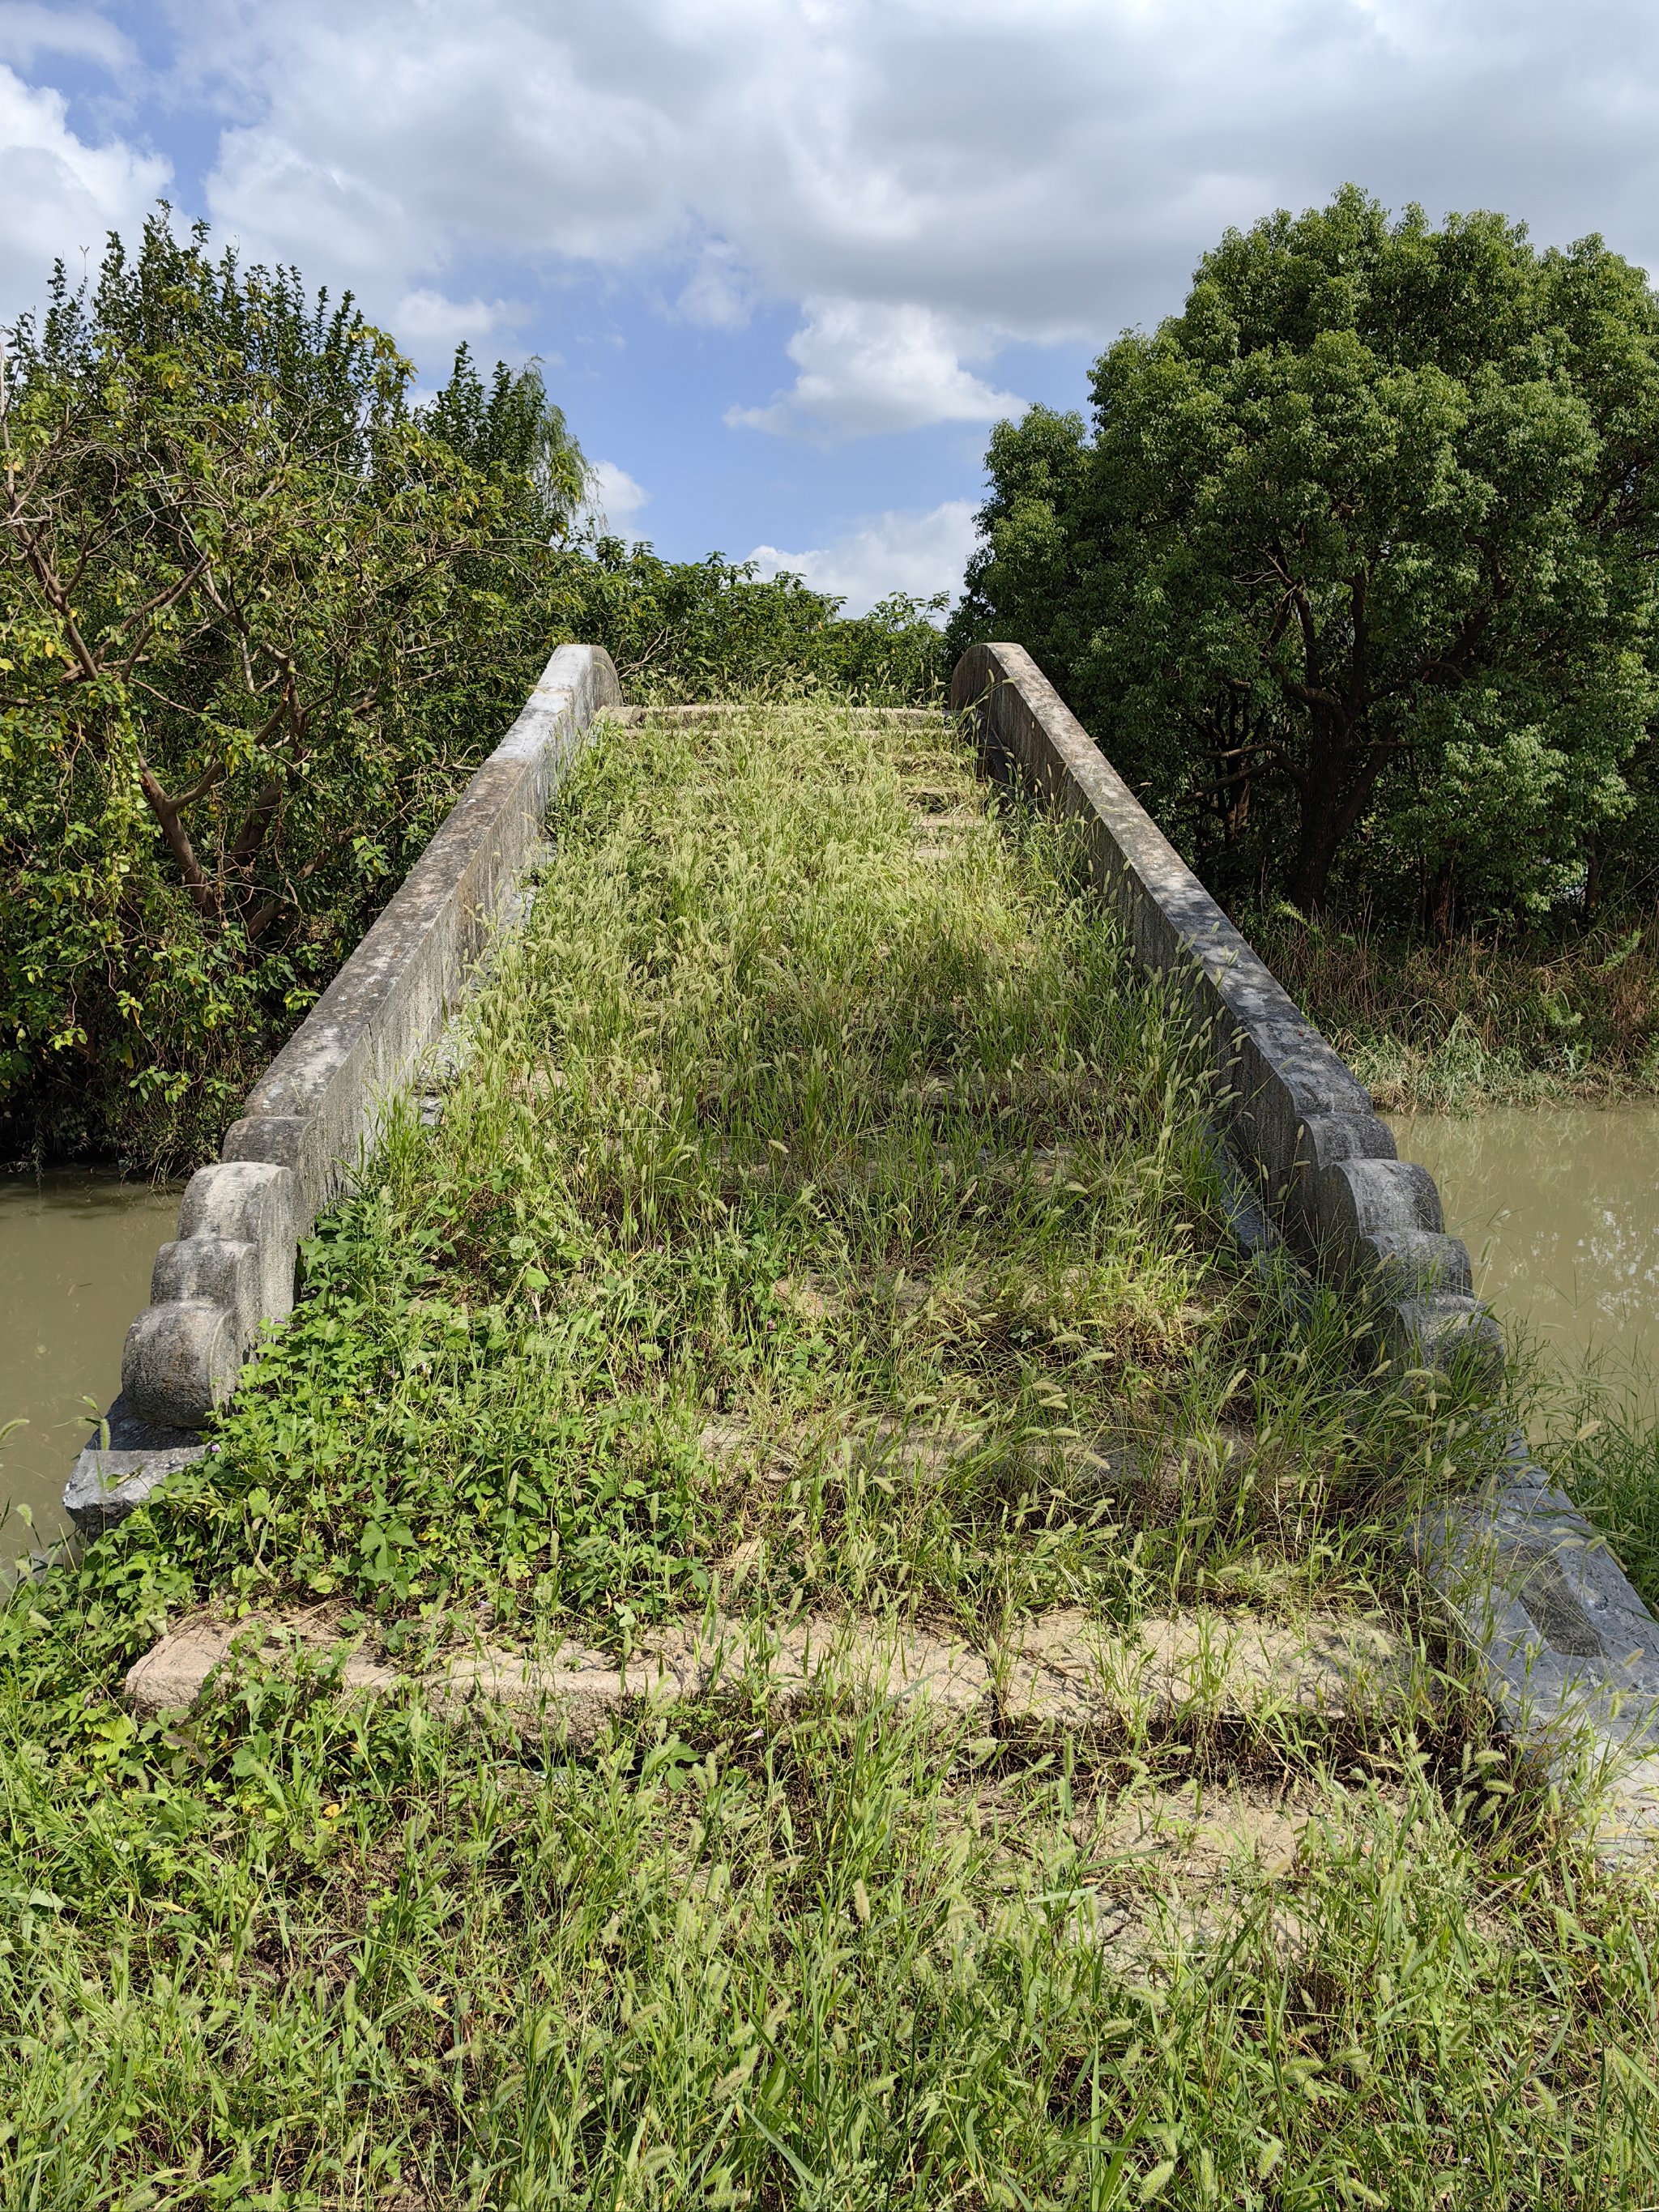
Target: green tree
[
  {"x": 713, "y": 629},
  {"x": 1355, "y": 572},
  {"x": 246, "y": 592},
  {"x": 510, "y": 430}
]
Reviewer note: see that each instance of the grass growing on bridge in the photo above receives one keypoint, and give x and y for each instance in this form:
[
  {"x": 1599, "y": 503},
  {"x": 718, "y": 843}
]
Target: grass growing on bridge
[
  {"x": 821, "y": 1222},
  {"x": 815, "y": 1137}
]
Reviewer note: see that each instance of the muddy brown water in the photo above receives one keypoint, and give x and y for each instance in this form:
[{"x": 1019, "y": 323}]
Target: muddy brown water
[
  {"x": 1559, "y": 1208},
  {"x": 76, "y": 1252}
]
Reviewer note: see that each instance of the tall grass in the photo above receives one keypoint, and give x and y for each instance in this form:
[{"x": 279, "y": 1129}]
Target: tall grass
[
  {"x": 1449, "y": 1027},
  {"x": 1600, "y": 1440},
  {"x": 816, "y": 1122},
  {"x": 353, "y": 1961},
  {"x": 819, "y": 1218}
]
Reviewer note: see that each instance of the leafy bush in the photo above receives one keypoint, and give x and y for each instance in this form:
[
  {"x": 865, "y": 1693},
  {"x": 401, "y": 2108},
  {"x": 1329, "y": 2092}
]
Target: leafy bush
[
  {"x": 711, "y": 629},
  {"x": 241, "y": 576}
]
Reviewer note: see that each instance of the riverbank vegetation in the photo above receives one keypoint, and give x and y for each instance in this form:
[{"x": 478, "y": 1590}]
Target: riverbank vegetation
[
  {"x": 820, "y": 1225},
  {"x": 260, "y": 615},
  {"x": 1502, "y": 1019},
  {"x": 1350, "y": 574},
  {"x": 1604, "y": 1447}
]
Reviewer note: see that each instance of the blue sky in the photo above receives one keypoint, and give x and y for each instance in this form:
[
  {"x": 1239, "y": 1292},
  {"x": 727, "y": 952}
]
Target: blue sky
[{"x": 786, "y": 260}]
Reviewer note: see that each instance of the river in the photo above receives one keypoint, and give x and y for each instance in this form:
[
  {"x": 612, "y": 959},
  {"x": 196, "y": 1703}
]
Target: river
[
  {"x": 76, "y": 1247},
  {"x": 1559, "y": 1208}
]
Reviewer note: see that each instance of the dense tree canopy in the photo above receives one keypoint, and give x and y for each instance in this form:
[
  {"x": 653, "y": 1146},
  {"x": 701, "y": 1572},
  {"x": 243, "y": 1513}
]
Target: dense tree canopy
[
  {"x": 237, "y": 574},
  {"x": 1354, "y": 575}
]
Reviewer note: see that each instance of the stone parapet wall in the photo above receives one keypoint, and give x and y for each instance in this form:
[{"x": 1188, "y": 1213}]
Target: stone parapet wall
[
  {"x": 314, "y": 1114},
  {"x": 1295, "y": 1117},
  {"x": 1561, "y": 1642}
]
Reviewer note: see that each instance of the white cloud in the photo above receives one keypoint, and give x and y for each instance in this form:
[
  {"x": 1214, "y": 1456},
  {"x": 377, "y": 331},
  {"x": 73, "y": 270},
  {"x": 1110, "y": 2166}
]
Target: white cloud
[
  {"x": 972, "y": 171},
  {"x": 614, "y": 500},
  {"x": 918, "y": 552},
  {"x": 866, "y": 367},
  {"x": 717, "y": 293},
  {"x": 282, "y": 205},
  {"x": 59, "y": 195},
  {"x": 389, "y": 139},
  {"x": 426, "y": 318},
  {"x": 28, "y": 29}
]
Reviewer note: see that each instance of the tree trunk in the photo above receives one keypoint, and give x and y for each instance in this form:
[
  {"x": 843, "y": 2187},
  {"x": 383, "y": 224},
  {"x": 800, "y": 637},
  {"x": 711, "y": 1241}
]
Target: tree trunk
[
  {"x": 165, "y": 811},
  {"x": 1318, "y": 836},
  {"x": 1344, "y": 762}
]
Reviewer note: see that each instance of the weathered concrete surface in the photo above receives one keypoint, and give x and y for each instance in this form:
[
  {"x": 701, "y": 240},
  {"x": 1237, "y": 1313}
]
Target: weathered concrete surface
[
  {"x": 316, "y": 1107},
  {"x": 720, "y": 710},
  {"x": 229, "y": 1271},
  {"x": 314, "y": 1113},
  {"x": 1068, "y": 1674},
  {"x": 1058, "y": 1672},
  {"x": 1296, "y": 1119},
  {"x": 172, "y": 1673},
  {"x": 121, "y": 1470},
  {"x": 1566, "y": 1648}
]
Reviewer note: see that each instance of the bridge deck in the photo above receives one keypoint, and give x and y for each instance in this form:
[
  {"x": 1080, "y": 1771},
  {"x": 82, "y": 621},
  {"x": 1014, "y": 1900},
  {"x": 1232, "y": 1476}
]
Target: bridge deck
[{"x": 904, "y": 1586}]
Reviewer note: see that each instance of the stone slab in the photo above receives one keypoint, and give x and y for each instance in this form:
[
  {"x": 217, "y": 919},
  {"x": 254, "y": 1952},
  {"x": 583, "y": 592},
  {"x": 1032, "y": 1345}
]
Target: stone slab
[
  {"x": 1067, "y": 1672},
  {"x": 1562, "y": 1642},
  {"x": 174, "y": 1674},
  {"x": 123, "y": 1464},
  {"x": 720, "y": 710},
  {"x": 107, "y": 1485},
  {"x": 1061, "y": 1671}
]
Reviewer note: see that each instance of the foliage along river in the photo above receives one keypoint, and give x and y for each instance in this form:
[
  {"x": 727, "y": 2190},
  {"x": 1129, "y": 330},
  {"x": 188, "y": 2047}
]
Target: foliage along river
[{"x": 1559, "y": 1206}]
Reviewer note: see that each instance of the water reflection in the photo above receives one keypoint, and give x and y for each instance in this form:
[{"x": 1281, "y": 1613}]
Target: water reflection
[
  {"x": 76, "y": 1252},
  {"x": 1559, "y": 1207}
]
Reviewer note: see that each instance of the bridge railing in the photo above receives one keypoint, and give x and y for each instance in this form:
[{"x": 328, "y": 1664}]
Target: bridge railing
[{"x": 313, "y": 1115}]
